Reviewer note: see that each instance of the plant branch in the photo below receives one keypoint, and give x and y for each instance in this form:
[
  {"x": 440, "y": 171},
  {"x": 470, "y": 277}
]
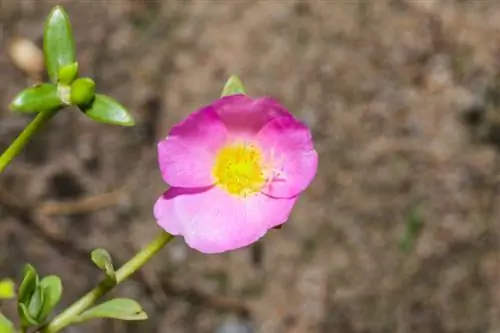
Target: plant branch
[
  {"x": 130, "y": 267},
  {"x": 22, "y": 140},
  {"x": 28, "y": 215}
]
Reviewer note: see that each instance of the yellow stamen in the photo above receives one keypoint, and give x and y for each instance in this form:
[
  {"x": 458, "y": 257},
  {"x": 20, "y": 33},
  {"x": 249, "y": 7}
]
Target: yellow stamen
[{"x": 239, "y": 170}]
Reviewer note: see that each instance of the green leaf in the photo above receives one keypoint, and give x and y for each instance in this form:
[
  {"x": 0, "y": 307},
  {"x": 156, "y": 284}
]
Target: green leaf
[
  {"x": 106, "y": 110},
  {"x": 6, "y": 326},
  {"x": 36, "y": 302},
  {"x": 28, "y": 285},
  {"x": 67, "y": 74},
  {"x": 7, "y": 289},
  {"x": 25, "y": 317},
  {"x": 103, "y": 260},
  {"x": 51, "y": 287},
  {"x": 41, "y": 97},
  {"x": 82, "y": 91},
  {"x": 58, "y": 42},
  {"x": 233, "y": 87},
  {"x": 118, "y": 308}
]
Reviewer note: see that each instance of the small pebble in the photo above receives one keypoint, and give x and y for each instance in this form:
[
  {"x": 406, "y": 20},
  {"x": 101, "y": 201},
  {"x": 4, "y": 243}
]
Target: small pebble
[{"x": 26, "y": 56}]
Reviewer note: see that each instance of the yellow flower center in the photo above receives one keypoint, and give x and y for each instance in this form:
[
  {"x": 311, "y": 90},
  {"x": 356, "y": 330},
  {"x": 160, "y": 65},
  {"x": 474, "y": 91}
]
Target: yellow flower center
[{"x": 238, "y": 169}]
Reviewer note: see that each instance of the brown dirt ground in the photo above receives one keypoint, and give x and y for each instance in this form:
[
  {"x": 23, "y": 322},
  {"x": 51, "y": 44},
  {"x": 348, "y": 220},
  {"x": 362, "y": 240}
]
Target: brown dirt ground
[{"x": 384, "y": 86}]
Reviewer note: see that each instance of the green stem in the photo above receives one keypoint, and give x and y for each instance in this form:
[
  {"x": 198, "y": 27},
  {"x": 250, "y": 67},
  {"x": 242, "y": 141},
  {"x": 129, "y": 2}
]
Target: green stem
[
  {"x": 67, "y": 316},
  {"x": 22, "y": 140}
]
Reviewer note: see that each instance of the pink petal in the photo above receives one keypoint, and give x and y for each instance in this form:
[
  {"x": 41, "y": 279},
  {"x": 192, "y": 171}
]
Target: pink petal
[
  {"x": 165, "y": 212},
  {"x": 215, "y": 222},
  {"x": 274, "y": 211},
  {"x": 289, "y": 150},
  {"x": 187, "y": 155},
  {"x": 242, "y": 114}
]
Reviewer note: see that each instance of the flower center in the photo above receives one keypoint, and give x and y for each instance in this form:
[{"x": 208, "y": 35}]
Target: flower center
[{"x": 238, "y": 169}]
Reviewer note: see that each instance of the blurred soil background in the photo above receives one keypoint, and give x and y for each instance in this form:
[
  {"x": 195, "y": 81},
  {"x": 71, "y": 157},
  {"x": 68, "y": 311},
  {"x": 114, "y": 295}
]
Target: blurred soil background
[{"x": 403, "y": 98}]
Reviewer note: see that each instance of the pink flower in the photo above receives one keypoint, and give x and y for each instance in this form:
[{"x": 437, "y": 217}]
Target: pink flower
[{"x": 236, "y": 168}]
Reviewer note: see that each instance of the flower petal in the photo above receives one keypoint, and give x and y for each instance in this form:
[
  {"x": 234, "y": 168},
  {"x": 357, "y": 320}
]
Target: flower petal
[
  {"x": 187, "y": 155},
  {"x": 215, "y": 222},
  {"x": 165, "y": 212},
  {"x": 244, "y": 115},
  {"x": 272, "y": 210},
  {"x": 165, "y": 215},
  {"x": 289, "y": 149}
]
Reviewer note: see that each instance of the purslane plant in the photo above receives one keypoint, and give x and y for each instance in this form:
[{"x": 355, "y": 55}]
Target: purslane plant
[{"x": 235, "y": 168}]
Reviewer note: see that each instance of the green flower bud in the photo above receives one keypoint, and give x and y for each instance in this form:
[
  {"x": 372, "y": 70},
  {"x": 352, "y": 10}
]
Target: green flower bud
[
  {"x": 82, "y": 91},
  {"x": 67, "y": 74}
]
